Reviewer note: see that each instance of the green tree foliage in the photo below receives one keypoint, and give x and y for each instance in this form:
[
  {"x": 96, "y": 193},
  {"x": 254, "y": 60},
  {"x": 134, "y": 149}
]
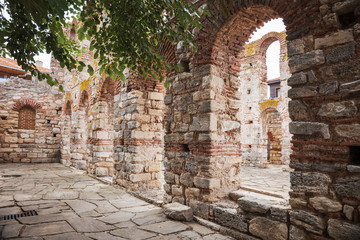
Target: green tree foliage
[{"x": 123, "y": 33}]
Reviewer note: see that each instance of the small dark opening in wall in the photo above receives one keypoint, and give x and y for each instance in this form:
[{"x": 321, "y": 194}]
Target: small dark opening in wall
[
  {"x": 186, "y": 148},
  {"x": 54, "y": 135},
  {"x": 249, "y": 108},
  {"x": 347, "y": 19},
  {"x": 48, "y": 121},
  {"x": 72, "y": 34},
  {"x": 250, "y": 146},
  {"x": 3, "y": 118},
  {"x": 185, "y": 65},
  {"x": 251, "y": 122},
  {"x": 354, "y": 155},
  {"x": 248, "y": 91},
  {"x": 251, "y": 64}
]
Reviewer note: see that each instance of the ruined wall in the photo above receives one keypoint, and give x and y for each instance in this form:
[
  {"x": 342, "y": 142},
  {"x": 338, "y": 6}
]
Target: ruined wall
[
  {"x": 203, "y": 144},
  {"x": 118, "y": 131},
  {"x": 324, "y": 62},
  {"x": 40, "y": 143}
]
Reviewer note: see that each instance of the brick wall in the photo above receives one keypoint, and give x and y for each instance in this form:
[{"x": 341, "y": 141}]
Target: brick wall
[{"x": 38, "y": 144}]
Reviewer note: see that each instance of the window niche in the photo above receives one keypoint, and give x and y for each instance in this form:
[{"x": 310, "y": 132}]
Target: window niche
[{"x": 27, "y": 118}]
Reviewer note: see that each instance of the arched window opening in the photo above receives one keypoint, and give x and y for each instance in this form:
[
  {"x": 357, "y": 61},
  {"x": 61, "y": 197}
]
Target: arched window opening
[
  {"x": 27, "y": 118},
  {"x": 68, "y": 108},
  {"x": 273, "y": 70},
  {"x": 84, "y": 101},
  {"x": 273, "y": 60}
]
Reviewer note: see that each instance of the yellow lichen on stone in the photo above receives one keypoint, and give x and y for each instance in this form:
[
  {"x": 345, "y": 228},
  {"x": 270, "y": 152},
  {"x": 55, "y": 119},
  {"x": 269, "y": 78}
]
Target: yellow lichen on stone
[
  {"x": 250, "y": 48},
  {"x": 268, "y": 104},
  {"x": 85, "y": 84},
  {"x": 67, "y": 96}
]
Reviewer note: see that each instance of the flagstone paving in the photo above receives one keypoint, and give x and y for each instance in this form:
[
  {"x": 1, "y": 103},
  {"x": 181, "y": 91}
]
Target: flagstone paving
[{"x": 72, "y": 205}]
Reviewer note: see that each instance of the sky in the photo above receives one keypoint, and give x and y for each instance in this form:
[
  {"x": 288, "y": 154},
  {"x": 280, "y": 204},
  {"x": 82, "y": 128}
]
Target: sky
[{"x": 275, "y": 25}]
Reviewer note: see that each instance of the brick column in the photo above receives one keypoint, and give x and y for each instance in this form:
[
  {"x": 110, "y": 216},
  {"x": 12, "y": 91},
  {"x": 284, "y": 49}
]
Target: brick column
[{"x": 200, "y": 163}]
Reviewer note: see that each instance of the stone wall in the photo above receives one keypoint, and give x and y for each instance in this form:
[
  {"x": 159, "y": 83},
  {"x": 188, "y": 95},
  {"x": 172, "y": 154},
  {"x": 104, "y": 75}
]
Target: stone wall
[
  {"x": 38, "y": 144},
  {"x": 118, "y": 131}
]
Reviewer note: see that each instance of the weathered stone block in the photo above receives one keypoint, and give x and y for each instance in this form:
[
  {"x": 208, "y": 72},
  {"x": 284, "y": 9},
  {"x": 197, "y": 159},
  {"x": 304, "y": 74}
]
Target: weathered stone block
[
  {"x": 81, "y": 165},
  {"x": 101, "y": 172},
  {"x": 351, "y": 131},
  {"x": 192, "y": 193},
  {"x": 297, "y": 234},
  {"x": 350, "y": 87},
  {"x": 302, "y": 62},
  {"x": 230, "y": 218},
  {"x": 337, "y": 38},
  {"x": 176, "y": 190},
  {"x": 254, "y": 205},
  {"x": 349, "y": 212},
  {"x": 178, "y": 212},
  {"x": 156, "y": 96},
  {"x": 309, "y": 128},
  {"x": 338, "y": 109},
  {"x": 200, "y": 209},
  {"x": 340, "y": 230},
  {"x": 204, "y": 122},
  {"x": 325, "y": 205},
  {"x": 207, "y": 183},
  {"x": 169, "y": 177},
  {"x": 309, "y": 221},
  {"x": 140, "y": 177},
  {"x": 297, "y": 79},
  {"x": 340, "y": 53},
  {"x": 310, "y": 181},
  {"x": 331, "y": 19},
  {"x": 296, "y": 47},
  {"x": 267, "y": 229},
  {"x": 328, "y": 88},
  {"x": 301, "y": 92},
  {"x": 208, "y": 106},
  {"x": 344, "y": 7},
  {"x": 298, "y": 111},
  {"x": 348, "y": 187},
  {"x": 186, "y": 179},
  {"x": 227, "y": 125},
  {"x": 279, "y": 213},
  {"x": 154, "y": 167}
]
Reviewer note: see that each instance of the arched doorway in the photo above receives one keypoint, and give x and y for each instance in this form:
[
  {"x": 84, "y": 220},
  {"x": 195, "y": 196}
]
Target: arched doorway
[
  {"x": 83, "y": 132},
  {"x": 66, "y": 135},
  {"x": 102, "y": 163},
  {"x": 271, "y": 130}
]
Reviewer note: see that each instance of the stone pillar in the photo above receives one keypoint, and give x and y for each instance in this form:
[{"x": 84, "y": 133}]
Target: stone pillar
[
  {"x": 79, "y": 139},
  {"x": 140, "y": 136},
  {"x": 201, "y": 163}
]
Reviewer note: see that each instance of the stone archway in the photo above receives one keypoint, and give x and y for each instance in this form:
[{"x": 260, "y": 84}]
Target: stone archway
[
  {"x": 272, "y": 135},
  {"x": 102, "y": 163},
  {"x": 81, "y": 152}
]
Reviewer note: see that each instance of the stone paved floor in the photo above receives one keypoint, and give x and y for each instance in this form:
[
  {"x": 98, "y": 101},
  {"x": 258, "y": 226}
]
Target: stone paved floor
[
  {"x": 72, "y": 205},
  {"x": 273, "y": 180}
]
